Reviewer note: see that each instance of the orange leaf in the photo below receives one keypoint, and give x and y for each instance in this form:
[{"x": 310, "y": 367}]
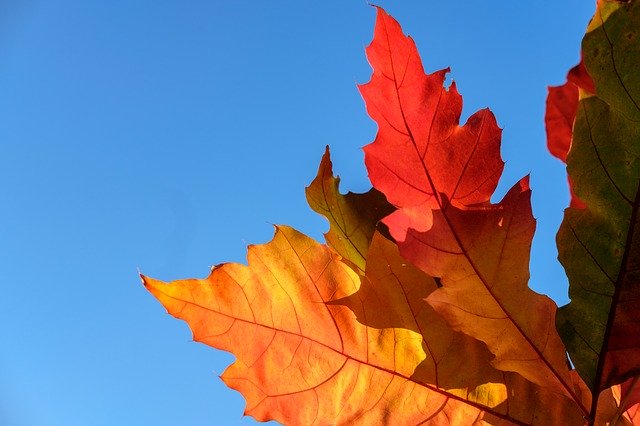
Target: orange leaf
[
  {"x": 300, "y": 360},
  {"x": 291, "y": 318},
  {"x": 441, "y": 176},
  {"x": 352, "y": 333}
]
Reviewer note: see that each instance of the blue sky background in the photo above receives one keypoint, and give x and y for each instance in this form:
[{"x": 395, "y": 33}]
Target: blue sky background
[{"x": 167, "y": 136}]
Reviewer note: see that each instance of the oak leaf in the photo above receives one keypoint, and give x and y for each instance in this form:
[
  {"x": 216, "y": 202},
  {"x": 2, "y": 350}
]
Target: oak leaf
[
  {"x": 352, "y": 217},
  {"x": 316, "y": 343},
  {"x": 441, "y": 176}
]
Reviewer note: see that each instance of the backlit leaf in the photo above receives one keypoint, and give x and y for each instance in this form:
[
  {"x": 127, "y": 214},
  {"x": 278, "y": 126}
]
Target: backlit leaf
[
  {"x": 627, "y": 396},
  {"x": 562, "y": 105},
  {"x": 599, "y": 246},
  {"x": 352, "y": 217},
  {"x": 441, "y": 176},
  {"x": 316, "y": 343},
  {"x": 417, "y": 310}
]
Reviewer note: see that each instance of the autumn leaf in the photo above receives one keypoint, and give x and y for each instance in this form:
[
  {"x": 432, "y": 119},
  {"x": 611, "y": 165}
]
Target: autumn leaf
[
  {"x": 299, "y": 359},
  {"x": 417, "y": 309},
  {"x": 627, "y": 396},
  {"x": 350, "y": 349},
  {"x": 352, "y": 217},
  {"x": 599, "y": 246},
  {"x": 294, "y": 320},
  {"x": 401, "y": 298},
  {"x": 399, "y": 292},
  {"x": 562, "y": 105},
  {"x": 560, "y": 114},
  {"x": 633, "y": 414},
  {"x": 441, "y": 176}
]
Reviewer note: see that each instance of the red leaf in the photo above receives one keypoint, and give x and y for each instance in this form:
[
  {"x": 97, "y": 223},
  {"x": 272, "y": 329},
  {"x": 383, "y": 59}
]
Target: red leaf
[
  {"x": 420, "y": 148},
  {"x": 562, "y": 106}
]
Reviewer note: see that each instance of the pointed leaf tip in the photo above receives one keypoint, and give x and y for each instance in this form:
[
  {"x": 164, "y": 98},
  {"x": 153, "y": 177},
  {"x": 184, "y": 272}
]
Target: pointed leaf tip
[{"x": 352, "y": 217}]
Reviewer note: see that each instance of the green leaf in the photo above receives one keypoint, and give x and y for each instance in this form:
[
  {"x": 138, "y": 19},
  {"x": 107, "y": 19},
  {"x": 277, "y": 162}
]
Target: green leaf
[
  {"x": 352, "y": 217},
  {"x": 599, "y": 245}
]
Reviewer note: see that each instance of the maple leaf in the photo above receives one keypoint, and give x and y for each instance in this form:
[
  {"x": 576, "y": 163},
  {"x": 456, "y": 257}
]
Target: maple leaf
[{"x": 599, "y": 245}]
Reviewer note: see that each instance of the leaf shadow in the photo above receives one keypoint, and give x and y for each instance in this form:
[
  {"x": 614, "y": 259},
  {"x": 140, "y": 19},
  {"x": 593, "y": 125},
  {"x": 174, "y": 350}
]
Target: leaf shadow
[{"x": 392, "y": 296}]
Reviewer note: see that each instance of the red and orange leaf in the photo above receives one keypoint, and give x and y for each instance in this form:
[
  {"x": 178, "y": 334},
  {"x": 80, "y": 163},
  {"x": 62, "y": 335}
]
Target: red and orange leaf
[
  {"x": 352, "y": 217},
  {"x": 440, "y": 176},
  {"x": 359, "y": 331},
  {"x": 633, "y": 415},
  {"x": 453, "y": 361},
  {"x": 609, "y": 412},
  {"x": 296, "y": 320},
  {"x": 630, "y": 393}
]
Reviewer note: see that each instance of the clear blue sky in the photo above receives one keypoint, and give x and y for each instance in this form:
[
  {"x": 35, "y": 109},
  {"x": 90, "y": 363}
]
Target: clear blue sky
[{"x": 167, "y": 136}]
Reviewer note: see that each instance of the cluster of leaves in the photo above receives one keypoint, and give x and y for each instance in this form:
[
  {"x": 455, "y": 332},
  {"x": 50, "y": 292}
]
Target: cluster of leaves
[{"x": 417, "y": 309}]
